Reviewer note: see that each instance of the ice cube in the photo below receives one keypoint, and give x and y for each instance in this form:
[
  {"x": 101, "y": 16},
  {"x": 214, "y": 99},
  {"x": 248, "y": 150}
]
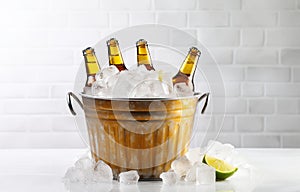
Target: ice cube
[
  {"x": 182, "y": 90},
  {"x": 91, "y": 176},
  {"x": 87, "y": 90},
  {"x": 103, "y": 171},
  {"x": 157, "y": 89},
  {"x": 181, "y": 166},
  {"x": 106, "y": 73},
  {"x": 168, "y": 178},
  {"x": 205, "y": 174},
  {"x": 195, "y": 155},
  {"x": 111, "y": 81},
  {"x": 74, "y": 175},
  {"x": 85, "y": 163},
  {"x": 220, "y": 151},
  {"x": 141, "y": 90},
  {"x": 191, "y": 173},
  {"x": 129, "y": 177},
  {"x": 99, "y": 88},
  {"x": 149, "y": 88},
  {"x": 166, "y": 79},
  {"x": 124, "y": 84},
  {"x": 140, "y": 68}
]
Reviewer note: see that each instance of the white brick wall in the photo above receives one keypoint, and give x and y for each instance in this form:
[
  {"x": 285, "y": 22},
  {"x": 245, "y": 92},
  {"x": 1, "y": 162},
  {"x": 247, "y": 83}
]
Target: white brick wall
[
  {"x": 253, "y": 19},
  {"x": 252, "y": 89},
  {"x": 208, "y": 19},
  {"x": 252, "y": 37},
  {"x": 261, "y": 106},
  {"x": 269, "y": 4},
  {"x": 296, "y": 74},
  {"x": 219, "y": 4},
  {"x": 268, "y": 74},
  {"x": 219, "y": 37},
  {"x": 290, "y": 56},
  {"x": 255, "y": 42},
  {"x": 250, "y": 123},
  {"x": 283, "y": 37},
  {"x": 256, "y": 56}
]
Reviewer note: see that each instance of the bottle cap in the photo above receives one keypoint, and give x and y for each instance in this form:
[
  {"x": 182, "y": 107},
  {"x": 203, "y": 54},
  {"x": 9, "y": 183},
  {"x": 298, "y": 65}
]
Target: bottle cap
[
  {"x": 195, "y": 51},
  {"x": 88, "y": 50},
  {"x": 112, "y": 42},
  {"x": 141, "y": 42}
]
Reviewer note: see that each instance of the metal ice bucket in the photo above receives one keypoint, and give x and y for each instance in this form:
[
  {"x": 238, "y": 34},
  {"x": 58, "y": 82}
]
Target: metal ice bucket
[{"x": 144, "y": 134}]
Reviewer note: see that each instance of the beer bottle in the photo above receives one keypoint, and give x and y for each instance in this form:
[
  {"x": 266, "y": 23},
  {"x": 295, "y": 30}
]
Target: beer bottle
[
  {"x": 187, "y": 69},
  {"x": 91, "y": 64},
  {"x": 143, "y": 54},
  {"x": 114, "y": 54}
]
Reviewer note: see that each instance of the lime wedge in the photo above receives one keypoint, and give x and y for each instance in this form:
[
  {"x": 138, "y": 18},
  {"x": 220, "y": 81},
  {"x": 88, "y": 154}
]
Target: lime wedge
[{"x": 223, "y": 169}]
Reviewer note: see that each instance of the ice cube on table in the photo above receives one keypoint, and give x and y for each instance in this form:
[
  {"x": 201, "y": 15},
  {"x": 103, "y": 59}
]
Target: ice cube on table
[
  {"x": 220, "y": 151},
  {"x": 106, "y": 73},
  {"x": 182, "y": 90},
  {"x": 181, "y": 166},
  {"x": 195, "y": 155},
  {"x": 129, "y": 177},
  {"x": 91, "y": 177},
  {"x": 103, "y": 171},
  {"x": 85, "y": 163},
  {"x": 205, "y": 174},
  {"x": 191, "y": 173},
  {"x": 168, "y": 178},
  {"x": 74, "y": 175}
]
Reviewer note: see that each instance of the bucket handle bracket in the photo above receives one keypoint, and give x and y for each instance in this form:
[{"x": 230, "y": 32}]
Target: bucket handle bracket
[
  {"x": 69, "y": 95},
  {"x": 206, "y": 96}
]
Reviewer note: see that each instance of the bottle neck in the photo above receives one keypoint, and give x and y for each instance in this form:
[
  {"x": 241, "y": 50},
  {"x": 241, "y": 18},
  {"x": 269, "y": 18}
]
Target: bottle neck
[
  {"x": 92, "y": 65},
  {"x": 189, "y": 65},
  {"x": 115, "y": 57},
  {"x": 143, "y": 57}
]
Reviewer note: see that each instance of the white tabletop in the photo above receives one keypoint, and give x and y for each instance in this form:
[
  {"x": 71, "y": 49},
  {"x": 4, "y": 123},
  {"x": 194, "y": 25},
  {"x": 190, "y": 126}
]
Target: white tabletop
[{"x": 41, "y": 170}]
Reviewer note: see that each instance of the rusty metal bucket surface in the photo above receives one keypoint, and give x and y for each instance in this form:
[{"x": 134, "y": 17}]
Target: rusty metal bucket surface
[{"x": 141, "y": 134}]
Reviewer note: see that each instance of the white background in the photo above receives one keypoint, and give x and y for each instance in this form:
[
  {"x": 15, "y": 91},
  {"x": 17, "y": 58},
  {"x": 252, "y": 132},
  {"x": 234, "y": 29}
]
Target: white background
[{"x": 256, "y": 42}]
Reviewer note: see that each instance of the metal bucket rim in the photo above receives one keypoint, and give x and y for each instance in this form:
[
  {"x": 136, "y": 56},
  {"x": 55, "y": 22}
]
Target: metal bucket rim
[{"x": 196, "y": 95}]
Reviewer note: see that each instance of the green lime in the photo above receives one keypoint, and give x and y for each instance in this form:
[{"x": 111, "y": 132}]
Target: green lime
[{"x": 223, "y": 169}]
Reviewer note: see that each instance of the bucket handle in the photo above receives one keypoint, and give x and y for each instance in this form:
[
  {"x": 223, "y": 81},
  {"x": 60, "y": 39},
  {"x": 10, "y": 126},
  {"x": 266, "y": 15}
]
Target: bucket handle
[
  {"x": 206, "y": 96},
  {"x": 69, "y": 95}
]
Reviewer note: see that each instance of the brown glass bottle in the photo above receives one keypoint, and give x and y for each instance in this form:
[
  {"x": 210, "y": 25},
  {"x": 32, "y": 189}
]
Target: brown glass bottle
[
  {"x": 187, "y": 69},
  {"x": 91, "y": 64},
  {"x": 114, "y": 54},
  {"x": 143, "y": 55}
]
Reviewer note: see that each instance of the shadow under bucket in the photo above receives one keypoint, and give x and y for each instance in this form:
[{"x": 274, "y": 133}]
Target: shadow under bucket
[{"x": 144, "y": 134}]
